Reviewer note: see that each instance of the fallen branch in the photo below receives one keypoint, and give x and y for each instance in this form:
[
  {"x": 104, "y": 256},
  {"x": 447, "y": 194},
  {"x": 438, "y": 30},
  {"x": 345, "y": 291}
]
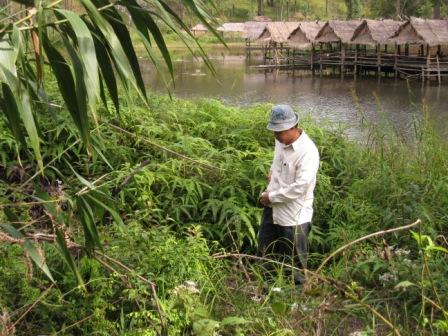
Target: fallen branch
[
  {"x": 51, "y": 238},
  {"x": 348, "y": 292},
  {"x": 379, "y": 233}
]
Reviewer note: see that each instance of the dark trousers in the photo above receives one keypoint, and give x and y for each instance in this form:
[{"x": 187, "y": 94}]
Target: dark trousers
[{"x": 288, "y": 244}]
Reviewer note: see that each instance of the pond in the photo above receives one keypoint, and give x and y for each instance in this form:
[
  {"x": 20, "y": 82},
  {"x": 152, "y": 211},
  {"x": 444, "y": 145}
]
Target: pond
[{"x": 399, "y": 102}]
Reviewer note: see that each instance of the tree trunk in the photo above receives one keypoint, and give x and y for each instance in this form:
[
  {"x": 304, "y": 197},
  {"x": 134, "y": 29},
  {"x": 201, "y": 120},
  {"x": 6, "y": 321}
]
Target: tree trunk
[
  {"x": 260, "y": 8},
  {"x": 437, "y": 9}
]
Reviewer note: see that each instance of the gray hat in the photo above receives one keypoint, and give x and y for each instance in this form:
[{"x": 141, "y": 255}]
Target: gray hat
[{"x": 282, "y": 118}]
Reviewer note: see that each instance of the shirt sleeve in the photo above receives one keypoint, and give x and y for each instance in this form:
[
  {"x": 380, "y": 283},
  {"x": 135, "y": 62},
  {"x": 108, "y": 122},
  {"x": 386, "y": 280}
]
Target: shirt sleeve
[{"x": 304, "y": 176}]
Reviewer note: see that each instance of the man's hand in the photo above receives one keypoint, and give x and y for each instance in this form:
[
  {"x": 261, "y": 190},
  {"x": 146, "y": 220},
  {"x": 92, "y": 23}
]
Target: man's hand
[{"x": 264, "y": 198}]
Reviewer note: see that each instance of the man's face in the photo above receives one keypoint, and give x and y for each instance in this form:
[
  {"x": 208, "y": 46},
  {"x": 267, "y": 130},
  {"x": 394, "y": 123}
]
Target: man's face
[{"x": 286, "y": 137}]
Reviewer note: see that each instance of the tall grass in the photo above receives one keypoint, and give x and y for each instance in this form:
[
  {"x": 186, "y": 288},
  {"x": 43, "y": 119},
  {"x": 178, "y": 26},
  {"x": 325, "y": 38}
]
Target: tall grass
[{"x": 184, "y": 178}]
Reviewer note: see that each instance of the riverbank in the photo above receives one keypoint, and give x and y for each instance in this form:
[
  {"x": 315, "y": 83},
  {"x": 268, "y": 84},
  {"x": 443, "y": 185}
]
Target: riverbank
[{"x": 180, "y": 180}]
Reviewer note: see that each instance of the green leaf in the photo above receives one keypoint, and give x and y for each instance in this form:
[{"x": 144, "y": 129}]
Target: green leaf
[
  {"x": 80, "y": 178},
  {"x": 66, "y": 84},
  {"x": 205, "y": 327},
  {"x": 107, "y": 70},
  {"x": 144, "y": 22},
  {"x": 117, "y": 53},
  {"x": 9, "y": 107},
  {"x": 81, "y": 89},
  {"x": 68, "y": 256},
  {"x": 30, "y": 249},
  {"x": 279, "y": 308},
  {"x": 23, "y": 106},
  {"x": 88, "y": 221},
  {"x": 87, "y": 54},
  {"x": 234, "y": 320},
  {"x": 404, "y": 284},
  {"x": 113, "y": 213}
]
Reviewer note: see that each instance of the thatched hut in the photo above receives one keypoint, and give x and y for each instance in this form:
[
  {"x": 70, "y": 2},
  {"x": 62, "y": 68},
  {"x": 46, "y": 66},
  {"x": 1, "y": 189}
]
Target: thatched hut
[
  {"x": 305, "y": 33},
  {"x": 337, "y": 31},
  {"x": 375, "y": 32},
  {"x": 422, "y": 31},
  {"x": 234, "y": 29},
  {"x": 199, "y": 29},
  {"x": 416, "y": 34},
  {"x": 253, "y": 29},
  {"x": 277, "y": 32}
]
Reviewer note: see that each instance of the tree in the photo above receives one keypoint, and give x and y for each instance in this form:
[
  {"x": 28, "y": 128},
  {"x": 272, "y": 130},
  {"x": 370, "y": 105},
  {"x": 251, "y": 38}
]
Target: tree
[
  {"x": 353, "y": 8},
  {"x": 91, "y": 57},
  {"x": 437, "y": 8}
]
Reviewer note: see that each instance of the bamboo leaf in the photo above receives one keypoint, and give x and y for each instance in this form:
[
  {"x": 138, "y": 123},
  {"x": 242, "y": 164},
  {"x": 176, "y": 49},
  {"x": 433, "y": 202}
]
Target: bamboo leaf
[
  {"x": 81, "y": 90},
  {"x": 107, "y": 71},
  {"x": 80, "y": 178},
  {"x": 116, "y": 21},
  {"x": 87, "y": 54},
  {"x": 117, "y": 53},
  {"x": 60, "y": 240},
  {"x": 88, "y": 221},
  {"x": 113, "y": 213},
  {"x": 23, "y": 106},
  {"x": 166, "y": 19},
  {"x": 66, "y": 82},
  {"x": 144, "y": 22},
  {"x": 30, "y": 249},
  {"x": 9, "y": 107}
]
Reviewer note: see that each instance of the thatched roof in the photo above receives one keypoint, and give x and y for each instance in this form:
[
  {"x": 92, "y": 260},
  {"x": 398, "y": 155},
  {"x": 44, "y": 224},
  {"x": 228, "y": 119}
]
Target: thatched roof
[
  {"x": 278, "y": 32},
  {"x": 305, "y": 33},
  {"x": 422, "y": 31},
  {"x": 375, "y": 31},
  {"x": 253, "y": 29},
  {"x": 199, "y": 27},
  {"x": 232, "y": 27},
  {"x": 337, "y": 31}
]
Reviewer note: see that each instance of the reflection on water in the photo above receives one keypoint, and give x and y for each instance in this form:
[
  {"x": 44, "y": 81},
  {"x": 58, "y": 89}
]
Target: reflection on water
[{"x": 328, "y": 98}]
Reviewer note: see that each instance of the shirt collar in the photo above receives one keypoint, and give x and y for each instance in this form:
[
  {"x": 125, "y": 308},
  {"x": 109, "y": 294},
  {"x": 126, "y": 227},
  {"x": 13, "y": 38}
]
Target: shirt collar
[{"x": 296, "y": 144}]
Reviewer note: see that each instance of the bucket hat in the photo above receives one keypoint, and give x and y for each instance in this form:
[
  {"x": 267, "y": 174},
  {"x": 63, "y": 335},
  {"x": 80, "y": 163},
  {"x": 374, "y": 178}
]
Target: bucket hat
[{"x": 282, "y": 118}]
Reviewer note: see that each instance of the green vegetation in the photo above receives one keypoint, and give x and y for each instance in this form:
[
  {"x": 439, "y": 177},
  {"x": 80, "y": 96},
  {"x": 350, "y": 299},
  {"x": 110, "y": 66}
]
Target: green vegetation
[
  {"x": 139, "y": 217},
  {"x": 290, "y": 10},
  {"x": 173, "y": 194}
]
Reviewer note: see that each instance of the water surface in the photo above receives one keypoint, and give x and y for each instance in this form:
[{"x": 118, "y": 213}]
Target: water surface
[{"x": 324, "y": 98}]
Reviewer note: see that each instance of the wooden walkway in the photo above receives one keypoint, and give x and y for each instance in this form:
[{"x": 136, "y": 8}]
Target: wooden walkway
[{"x": 350, "y": 62}]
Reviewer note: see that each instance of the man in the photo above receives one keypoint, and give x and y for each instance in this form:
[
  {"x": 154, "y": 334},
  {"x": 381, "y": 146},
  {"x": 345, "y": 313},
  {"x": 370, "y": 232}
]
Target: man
[{"x": 288, "y": 199}]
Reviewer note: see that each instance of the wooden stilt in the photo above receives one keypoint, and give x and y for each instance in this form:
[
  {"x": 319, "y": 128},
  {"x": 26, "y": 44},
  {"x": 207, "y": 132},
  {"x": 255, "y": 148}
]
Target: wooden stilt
[
  {"x": 397, "y": 50},
  {"x": 378, "y": 60},
  {"x": 320, "y": 58},
  {"x": 312, "y": 59},
  {"x": 428, "y": 61}
]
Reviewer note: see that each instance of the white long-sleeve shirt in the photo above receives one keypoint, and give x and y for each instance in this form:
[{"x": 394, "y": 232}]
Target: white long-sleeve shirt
[{"x": 293, "y": 178}]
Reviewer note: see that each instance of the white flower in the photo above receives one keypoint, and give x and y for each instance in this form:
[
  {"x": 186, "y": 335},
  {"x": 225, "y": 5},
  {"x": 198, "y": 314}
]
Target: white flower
[
  {"x": 276, "y": 289},
  {"x": 402, "y": 252},
  {"x": 256, "y": 298},
  {"x": 387, "y": 277},
  {"x": 188, "y": 286},
  {"x": 294, "y": 307}
]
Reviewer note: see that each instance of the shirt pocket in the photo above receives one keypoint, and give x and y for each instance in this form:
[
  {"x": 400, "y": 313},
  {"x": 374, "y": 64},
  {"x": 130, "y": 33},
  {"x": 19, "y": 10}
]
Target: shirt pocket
[{"x": 287, "y": 172}]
